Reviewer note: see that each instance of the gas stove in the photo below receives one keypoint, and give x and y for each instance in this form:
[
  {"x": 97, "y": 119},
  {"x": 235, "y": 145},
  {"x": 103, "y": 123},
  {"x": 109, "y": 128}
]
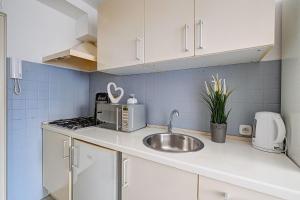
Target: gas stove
[{"x": 74, "y": 123}]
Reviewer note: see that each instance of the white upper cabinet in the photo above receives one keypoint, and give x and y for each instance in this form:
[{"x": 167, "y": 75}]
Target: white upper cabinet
[
  {"x": 160, "y": 33},
  {"x": 230, "y": 25},
  {"x": 169, "y": 29},
  {"x": 120, "y": 33}
]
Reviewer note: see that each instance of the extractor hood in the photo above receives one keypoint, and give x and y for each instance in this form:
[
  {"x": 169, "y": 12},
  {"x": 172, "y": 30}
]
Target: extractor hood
[{"x": 81, "y": 57}]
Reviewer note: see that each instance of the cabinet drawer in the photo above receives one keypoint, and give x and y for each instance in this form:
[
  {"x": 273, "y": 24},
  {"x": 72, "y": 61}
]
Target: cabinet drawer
[{"x": 210, "y": 189}]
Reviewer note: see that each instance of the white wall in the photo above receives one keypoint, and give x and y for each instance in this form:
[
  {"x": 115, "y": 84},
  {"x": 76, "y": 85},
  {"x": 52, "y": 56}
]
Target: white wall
[
  {"x": 290, "y": 84},
  {"x": 36, "y": 30},
  {"x": 275, "y": 53},
  {"x": 2, "y": 109}
]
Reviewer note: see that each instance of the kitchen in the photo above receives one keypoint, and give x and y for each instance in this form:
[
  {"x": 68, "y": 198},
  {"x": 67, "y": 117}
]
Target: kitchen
[{"x": 79, "y": 58}]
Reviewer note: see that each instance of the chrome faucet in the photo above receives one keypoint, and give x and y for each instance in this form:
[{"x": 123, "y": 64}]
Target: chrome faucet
[{"x": 170, "y": 126}]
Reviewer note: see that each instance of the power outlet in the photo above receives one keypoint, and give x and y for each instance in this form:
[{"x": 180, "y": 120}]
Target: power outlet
[{"x": 246, "y": 130}]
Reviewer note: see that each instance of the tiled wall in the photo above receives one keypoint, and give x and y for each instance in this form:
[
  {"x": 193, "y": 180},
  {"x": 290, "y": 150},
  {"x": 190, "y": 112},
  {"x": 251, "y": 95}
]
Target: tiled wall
[
  {"x": 256, "y": 88},
  {"x": 48, "y": 93}
]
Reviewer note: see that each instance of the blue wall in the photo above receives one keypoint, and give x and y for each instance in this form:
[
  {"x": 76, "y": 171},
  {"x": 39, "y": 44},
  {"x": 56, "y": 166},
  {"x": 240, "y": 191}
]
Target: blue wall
[
  {"x": 48, "y": 93},
  {"x": 256, "y": 88},
  {"x": 51, "y": 93}
]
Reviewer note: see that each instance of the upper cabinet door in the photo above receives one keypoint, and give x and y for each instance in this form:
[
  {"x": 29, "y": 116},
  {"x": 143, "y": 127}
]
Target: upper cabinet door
[
  {"x": 120, "y": 33},
  {"x": 169, "y": 29},
  {"x": 233, "y": 24}
]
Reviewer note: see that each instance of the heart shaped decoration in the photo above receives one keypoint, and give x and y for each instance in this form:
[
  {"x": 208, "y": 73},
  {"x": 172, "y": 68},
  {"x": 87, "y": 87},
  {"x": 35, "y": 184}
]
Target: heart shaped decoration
[{"x": 112, "y": 98}]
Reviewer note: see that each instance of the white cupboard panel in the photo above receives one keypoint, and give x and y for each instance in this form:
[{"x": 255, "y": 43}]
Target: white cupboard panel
[
  {"x": 56, "y": 170},
  {"x": 95, "y": 174},
  {"x": 224, "y": 58},
  {"x": 229, "y": 25},
  {"x": 210, "y": 189},
  {"x": 120, "y": 33},
  {"x": 147, "y": 180},
  {"x": 169, "y": 29}
]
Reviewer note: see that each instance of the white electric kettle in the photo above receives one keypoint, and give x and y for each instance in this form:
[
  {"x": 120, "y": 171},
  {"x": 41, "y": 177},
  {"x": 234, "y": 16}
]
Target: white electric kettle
[{"x": 268, "y": 132}]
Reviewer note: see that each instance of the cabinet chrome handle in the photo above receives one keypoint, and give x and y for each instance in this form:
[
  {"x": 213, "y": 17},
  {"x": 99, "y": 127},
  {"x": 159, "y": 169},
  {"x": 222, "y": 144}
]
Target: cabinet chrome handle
[
  {"x": 75, "y": 156},
  {"x": 139, "y": 56},
  {"x": 200, "y": 45},
  {"x": 125, "y": 173},
  {"x": 226, "y": 196},
  {"x": 186, "y": 29},
  {"x": 66, "y": 149},
  {"x": 117, "y": 118}
]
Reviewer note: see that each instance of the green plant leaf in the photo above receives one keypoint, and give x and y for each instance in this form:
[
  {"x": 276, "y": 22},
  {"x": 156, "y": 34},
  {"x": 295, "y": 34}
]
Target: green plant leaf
[{"x": 216, "y": 102}]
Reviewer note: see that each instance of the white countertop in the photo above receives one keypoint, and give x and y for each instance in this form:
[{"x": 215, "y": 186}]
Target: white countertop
[{"x": 234, "y": 162}]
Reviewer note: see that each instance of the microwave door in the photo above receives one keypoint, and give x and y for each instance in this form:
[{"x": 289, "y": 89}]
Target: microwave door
[{"x": 109, "y": 116}]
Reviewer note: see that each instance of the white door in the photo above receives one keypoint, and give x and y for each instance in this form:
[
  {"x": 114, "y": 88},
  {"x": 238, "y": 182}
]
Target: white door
[
  {"x": 146, "y": 180},
  {"x": 2, "y": 106},
  {"x": 120, "y": 33},
  {"x": 230, "y": 25},
  {"x": 169, "y": 29},
  {"x": 56, "y": 168},
  {"x": 95, "y": 172}
]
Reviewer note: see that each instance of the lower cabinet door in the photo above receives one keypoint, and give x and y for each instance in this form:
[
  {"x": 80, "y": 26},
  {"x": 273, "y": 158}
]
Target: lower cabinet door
[
  {"x": 95, "y": 172},
  {"x": 56, "y": 169},
  {"x": 210, "y": 189},
  {"x": 147, "y": 180}
]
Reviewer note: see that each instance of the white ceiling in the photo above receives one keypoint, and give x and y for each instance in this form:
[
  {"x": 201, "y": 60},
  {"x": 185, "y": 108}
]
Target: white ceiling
[
  {"x": 83, "y": 11},
  {"x": 64, "y": 7},
  {"x": 73, "y": 8}
]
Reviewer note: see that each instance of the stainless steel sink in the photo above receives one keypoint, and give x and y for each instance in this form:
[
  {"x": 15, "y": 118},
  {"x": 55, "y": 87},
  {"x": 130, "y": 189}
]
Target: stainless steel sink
[{"x": 173, "y": 142}]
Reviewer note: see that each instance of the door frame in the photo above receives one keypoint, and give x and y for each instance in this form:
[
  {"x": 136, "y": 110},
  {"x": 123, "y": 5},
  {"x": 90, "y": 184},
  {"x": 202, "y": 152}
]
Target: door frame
[{"x": 3, "y": 108}]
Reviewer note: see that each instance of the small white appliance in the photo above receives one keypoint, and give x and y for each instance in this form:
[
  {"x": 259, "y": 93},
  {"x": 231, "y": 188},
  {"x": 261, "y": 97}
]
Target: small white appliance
[
  {"x": 268, "y": 132},
  {"x": 132, "y": 99}
]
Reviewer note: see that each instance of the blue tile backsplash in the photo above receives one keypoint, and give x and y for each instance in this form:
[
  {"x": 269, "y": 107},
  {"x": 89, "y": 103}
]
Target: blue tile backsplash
[
  {"x": 48, "y": 93},
  {"x": 256, "y": 88}
]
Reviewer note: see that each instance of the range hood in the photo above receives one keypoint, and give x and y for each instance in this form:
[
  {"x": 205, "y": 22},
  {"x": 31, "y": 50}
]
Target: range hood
[{"x": 81, "y": 57}]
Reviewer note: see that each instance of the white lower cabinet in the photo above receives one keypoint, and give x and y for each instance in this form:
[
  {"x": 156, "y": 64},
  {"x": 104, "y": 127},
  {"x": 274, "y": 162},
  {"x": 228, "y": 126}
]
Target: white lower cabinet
[
  {"x": 56, "y": 165},
  {"x": 95, "y": 172},
  {"x": 210, "y": 189},
  {"x": 147, "y": 180},
  {"x": 96, "y": 175}
]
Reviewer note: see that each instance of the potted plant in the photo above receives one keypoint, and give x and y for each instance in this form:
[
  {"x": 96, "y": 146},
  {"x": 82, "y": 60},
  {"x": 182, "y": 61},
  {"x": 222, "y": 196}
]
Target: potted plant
[{"x": 216, "y": 97}]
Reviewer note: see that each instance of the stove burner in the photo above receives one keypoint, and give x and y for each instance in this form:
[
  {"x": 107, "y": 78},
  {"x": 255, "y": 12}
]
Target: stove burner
[{"x": 75, "y": 123}]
